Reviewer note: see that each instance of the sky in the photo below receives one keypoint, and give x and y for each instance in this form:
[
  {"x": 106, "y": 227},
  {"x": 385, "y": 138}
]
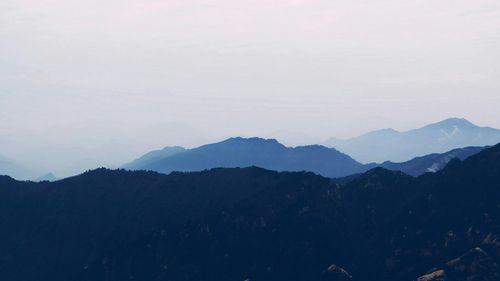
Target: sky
[{"x": 98, "y": 83}]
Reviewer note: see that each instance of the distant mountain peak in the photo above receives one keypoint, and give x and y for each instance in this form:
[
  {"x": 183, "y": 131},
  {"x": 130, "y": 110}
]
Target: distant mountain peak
[
  {"x": 454, "y": 121},
  {"x": 314, "y": 147},
  {"x": 440, "y": 137},
  {"x": 381, "y": 172},
  {"x": 47, "y": 177},
  {"x": 389, "y": 130},
  {"x": 386, "y": 131},
  {"x": 250, "y": 140},
  {"x": 254, "y": 151},
  {"x": 172, "y": 147}
]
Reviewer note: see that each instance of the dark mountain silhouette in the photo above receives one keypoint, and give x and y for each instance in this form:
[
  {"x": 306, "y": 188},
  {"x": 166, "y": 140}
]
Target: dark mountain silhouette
[
  {"x": 432, "y": 162},
  {"x": 255, "y": 224},
  {"x": 246, "y": 152},
  {"x": 391, "y": 145},
  {"x": 270, "y": 154}
]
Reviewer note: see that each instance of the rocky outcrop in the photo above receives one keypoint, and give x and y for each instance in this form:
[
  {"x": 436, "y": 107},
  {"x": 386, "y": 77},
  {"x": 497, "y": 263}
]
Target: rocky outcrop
[
  {"x": 336, "y": 273},
  {"x": 438, "y": 275}
]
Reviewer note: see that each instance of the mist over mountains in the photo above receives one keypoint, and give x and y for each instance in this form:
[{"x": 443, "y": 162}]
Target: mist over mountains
[
  {"x": 256, "y": 224},
  {"x": 246, "y": 152},
  {"x": 15, "y": 170},
  {"x": 255, "y": 209},
  {"x": 272, "y": 155},
  {"x": 391, "y": 145},
  {"x": 426, "y": 149},
  {"x": 150, "y": 158},
  {"x": 216, "y": 140}
]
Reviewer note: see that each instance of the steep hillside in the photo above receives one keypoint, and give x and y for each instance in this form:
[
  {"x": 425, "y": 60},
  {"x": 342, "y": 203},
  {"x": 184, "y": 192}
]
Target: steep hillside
[{"x": 238, "y": 224}]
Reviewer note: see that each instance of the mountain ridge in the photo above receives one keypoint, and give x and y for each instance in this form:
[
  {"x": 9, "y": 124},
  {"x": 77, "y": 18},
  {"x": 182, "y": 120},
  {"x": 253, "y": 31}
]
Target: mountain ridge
[
  {"x": 265, "y": 153},
  {"x": 270, "y": 154},
  {"x": 251, "y": 223},
  {"x": 391, "y": 145}
]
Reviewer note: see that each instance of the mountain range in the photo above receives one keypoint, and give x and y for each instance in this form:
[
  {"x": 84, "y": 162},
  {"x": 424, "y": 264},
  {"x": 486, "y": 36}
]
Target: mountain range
[
  {"x": 246, "y": 152},
  {"x": 255, "y": 224},
  {"x": 430, "y": 163},
  {"x": 391, "y": 145},
  {"x": 270, "y": 154},
  {"x": 414, "y": 152}
]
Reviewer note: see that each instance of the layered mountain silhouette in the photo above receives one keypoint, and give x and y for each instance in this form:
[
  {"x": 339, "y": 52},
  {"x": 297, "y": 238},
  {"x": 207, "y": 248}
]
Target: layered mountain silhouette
[
  {"x": 255, "y": 224},
  {"x": 246, "y": 152},
  {"x": 391, "y": 145},
  {"x": 430, "y": 163},
  {"x": 265, "y": 153},
  {"x": 270, "y": 154}
]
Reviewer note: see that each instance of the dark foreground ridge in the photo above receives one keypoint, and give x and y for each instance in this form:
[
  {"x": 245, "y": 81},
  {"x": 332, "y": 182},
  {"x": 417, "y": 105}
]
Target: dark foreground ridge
[{"x": 255, "y": 224}]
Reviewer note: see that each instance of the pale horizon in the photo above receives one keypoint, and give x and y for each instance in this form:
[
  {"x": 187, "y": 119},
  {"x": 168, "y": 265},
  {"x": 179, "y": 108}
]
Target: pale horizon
[{"x": 102, "y": 82}]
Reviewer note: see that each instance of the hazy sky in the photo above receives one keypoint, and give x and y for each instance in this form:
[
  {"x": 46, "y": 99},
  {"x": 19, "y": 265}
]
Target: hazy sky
[{"x": 100, "y": 82}]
